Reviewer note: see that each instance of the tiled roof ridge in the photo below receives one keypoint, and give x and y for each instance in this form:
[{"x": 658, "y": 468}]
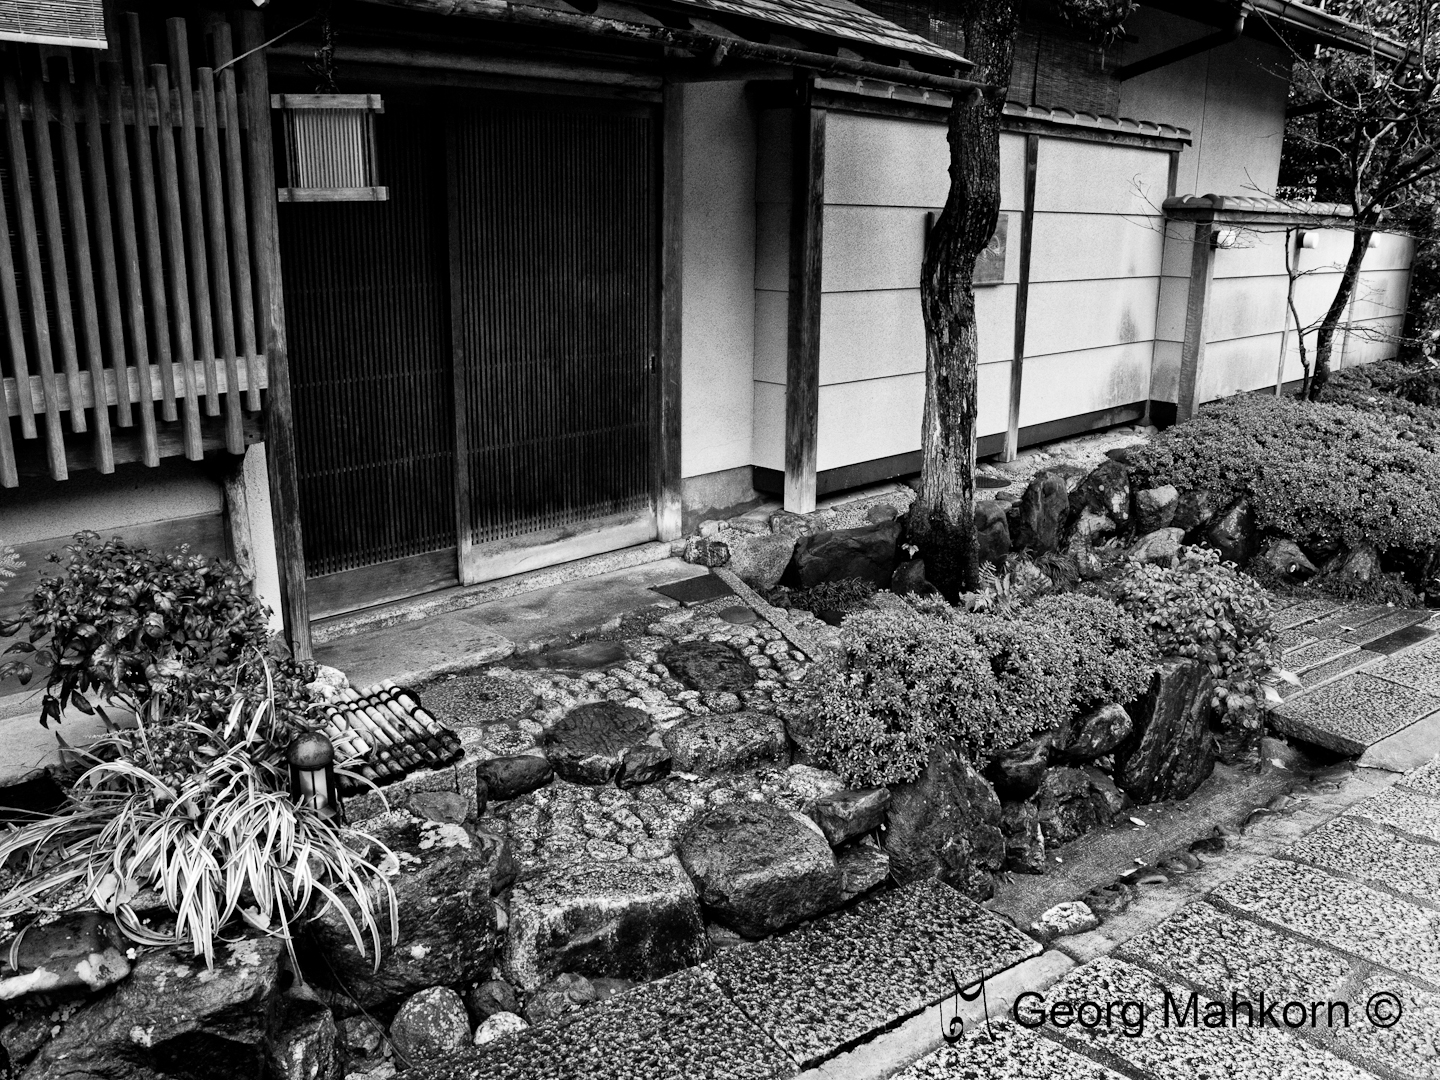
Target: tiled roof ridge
[
  {"x": 1099, "y": 121},
  {"x": 1256, "y": 204}
]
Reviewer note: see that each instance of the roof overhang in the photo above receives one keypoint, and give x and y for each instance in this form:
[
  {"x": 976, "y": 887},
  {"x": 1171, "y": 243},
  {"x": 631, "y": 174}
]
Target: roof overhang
[
  {"x": 826, "y": 37},
  {"x": 1287, "y": 20},
  {"x": 77, "y": 23}
]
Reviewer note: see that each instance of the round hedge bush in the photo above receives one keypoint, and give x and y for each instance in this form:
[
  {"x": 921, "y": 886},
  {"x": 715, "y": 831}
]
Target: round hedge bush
[{"x": 1113, "y": 655}]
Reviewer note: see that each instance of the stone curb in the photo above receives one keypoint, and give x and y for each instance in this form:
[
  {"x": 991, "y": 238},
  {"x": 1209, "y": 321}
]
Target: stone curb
[{"x": 773, "y": 615}]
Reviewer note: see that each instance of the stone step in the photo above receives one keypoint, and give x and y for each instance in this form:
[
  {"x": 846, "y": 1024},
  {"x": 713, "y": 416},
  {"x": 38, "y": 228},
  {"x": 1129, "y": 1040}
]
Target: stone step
[
  {"x": 1353, "y": 712},
  {"x": 1005, "y": 1051},
  {"x": 828, "y": 986}
]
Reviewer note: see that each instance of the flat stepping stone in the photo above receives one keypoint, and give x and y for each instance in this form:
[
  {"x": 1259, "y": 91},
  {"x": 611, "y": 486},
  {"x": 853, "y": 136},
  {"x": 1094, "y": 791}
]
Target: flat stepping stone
[
  {"x": 1225, "y": 953},
  {"x": 1294, "y": 638},
  {"x": 678, "y": 1028},
  {"x": 1418, "y": 668},
  {"x": 1398, "y": 619},
  {"x": 1351, "y": 845},
  {"x": 1306, "y": 611},
  {"x": 828, "y": 986},
  {"x": 1408, "y": 811},
  {"x": 1352, "y": 713},
  {"x": 725, "y": 742},
  {"x": 1397, "y": 1049},
  {"x": 1314, "y": 654},
  {"x": 587, "y": 656},
  {"x": 1425, "y": 779},
  {"x": 1348, "y": 619},
  {"x": 478, "y": 700},
  {"x": 1344, "y": 915},
  {"x": 1012, "y": 1054},
  {"x": 709, "y": 665},
  {"x": 1331, "y": 669},
  {"x": 588, "y": 743},
  {"x": 1403, "y": 638},
  {"x": 1191, "y": 1052},
  {"x": 696, "y": 590}
]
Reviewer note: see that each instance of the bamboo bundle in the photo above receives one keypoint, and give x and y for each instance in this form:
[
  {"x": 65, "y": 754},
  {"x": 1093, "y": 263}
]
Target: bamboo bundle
[{"x": 387, "y": 728}]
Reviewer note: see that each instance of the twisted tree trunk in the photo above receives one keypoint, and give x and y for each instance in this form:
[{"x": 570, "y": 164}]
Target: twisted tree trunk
[
  {"x": 943, "y": 518},
  {"x": 1325, "y": 336}
]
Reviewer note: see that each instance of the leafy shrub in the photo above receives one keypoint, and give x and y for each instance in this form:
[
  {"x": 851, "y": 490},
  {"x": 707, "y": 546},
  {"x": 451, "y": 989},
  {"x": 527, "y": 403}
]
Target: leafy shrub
[
  {"x": 1113, "y": 656},
  {"x": 1209, "y": 612},
  {"x": 903, "y": 682},
  {"x": 1405, "y": 397},
  {"x": 202, "y": 815},
  {"x": 1034, "y": 670},
  {"x": 1316, "y": 473},
  {"x": 119, "y": 620},
  {"x": 846, "y": 595}
]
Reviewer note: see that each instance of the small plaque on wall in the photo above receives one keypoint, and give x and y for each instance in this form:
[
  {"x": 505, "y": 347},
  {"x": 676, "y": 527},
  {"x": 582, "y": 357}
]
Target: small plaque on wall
[{"x": 990, "y": 263}]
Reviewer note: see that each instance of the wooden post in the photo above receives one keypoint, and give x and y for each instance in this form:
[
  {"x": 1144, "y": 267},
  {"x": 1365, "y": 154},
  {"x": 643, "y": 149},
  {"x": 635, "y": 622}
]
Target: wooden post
[
  {"x": 1022, "y": 297},
  {"x": 279, "y": 417},
  {"x": 459, "y": 361},
  {"x": 802, "y": 369},
  {"x": 1192, "y": 352},
  {"x": 669, "y": 485}
]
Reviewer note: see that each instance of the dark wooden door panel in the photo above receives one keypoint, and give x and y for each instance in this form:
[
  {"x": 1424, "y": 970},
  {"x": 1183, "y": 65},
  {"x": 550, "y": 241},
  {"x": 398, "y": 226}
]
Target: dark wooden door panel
[
  {"x": 367, "y": 298},
  {"x": 555, "y": 232}
]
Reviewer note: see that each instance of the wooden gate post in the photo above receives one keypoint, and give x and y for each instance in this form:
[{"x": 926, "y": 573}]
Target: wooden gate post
[
  {"x": 279, "y": 416},
  {"x": 1192, "y": 352},
  {"x": 802, "y": 369}
]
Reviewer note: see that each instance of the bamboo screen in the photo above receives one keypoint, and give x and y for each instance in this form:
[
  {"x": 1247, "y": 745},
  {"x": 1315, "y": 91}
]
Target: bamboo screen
[{"x": 126, "y": 296}]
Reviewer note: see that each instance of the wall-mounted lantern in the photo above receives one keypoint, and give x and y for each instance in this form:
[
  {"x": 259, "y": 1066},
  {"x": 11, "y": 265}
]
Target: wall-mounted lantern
[
  {"x": 312, "y": 774},
  {"x": 330, "y": 147}
]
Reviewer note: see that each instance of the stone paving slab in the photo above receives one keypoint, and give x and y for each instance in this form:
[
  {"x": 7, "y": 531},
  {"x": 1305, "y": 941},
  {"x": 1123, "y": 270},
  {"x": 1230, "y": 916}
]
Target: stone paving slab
[
  {"x": 1344, "y": 914},
  {"x": 1305, "y": 657},
  {"x": 1339, "y": 666},
  {"x": 1348, "y": 619},
  {"x": 1418, "y": 667},
  {"x": 1352, "y": 845},
  {"x": 1013, "y": 1054},
  {"x": 1399, "y": 619},
  {"x": 1295, "y": 637},
  {"x": 1161, "y": 1047},
  {"x": 678, "y": 1028},
  {"x": 823, "y": 988},
  {"x": 1305, "y": 611},
  {"x": 1352, "y": 712},
  {"x": 1416, "y": 814},
  {"x": 1403, "y": 638},
  {"x": 1225, "y": 953},
  {"x": 1412, "y": 1046},
  {"x": 1425, "y": 779}
]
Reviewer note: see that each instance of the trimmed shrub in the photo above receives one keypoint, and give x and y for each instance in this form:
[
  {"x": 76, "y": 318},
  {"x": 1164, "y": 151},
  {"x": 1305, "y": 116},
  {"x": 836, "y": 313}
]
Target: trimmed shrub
[
  {"x": 1406, "y": 397},
  {"x": 1034, "y": 670},
  {"x": 118, "y": 620},
  {"x": 1210, "y": 612},
  {"x": 1113, "y": 656},
  {"x": 1319, "y": 474},
  {"x": 847, "y": 596},
  {"x": 903, "y": 682}
]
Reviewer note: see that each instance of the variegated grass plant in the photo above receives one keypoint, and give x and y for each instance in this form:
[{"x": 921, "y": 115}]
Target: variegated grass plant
[{"x": 203, "y": 817}]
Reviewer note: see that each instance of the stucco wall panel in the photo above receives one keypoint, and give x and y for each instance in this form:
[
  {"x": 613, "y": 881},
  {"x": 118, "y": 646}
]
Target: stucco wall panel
[
  {"x": 1246, "y": 306},
  {"x": 1078, "y": 177},
  {"x": 1074, "y": 315},
  {"x": 1073, "y": 383},
  {"x": 1076, "y": 247}
]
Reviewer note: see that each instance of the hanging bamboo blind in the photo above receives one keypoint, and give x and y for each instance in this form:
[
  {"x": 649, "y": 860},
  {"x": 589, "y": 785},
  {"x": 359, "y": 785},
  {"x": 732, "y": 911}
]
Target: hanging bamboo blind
[{"x": 126, "y": 296}]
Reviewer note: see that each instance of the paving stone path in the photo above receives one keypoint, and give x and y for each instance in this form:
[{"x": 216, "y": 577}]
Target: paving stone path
[{"x": 1340, "y": 933}]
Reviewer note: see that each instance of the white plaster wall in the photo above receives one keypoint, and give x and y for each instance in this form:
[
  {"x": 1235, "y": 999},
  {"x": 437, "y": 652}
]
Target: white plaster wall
[
  {"x": 262, "y": 533},
  {"x": 718, "y": 279},
  {"x": 1232, "y": 99},
  {"x": 771, "y": 296}
]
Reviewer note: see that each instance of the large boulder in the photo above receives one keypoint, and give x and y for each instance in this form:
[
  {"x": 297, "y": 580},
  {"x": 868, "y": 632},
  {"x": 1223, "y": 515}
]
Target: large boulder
[
  {"x": 561, "y": 996},
  {"x": 725, "y": 742},
  {"x": 1195, "y": 508},
  {"x": 1161, "y": 547},
  {"x": 1285, "y": 560},
  {"x": 708, "y": 666},
  {"x": 75, "y": 952},
  {"x": 173, "y": 1014},
  {"x": 1233, "y": 533},
  {"x": 1095, "y": 734},
  {"x": 992, "y": 531},
  {"x": 1171, "y": 751},
  {"x": 1065, "y": 807},
  {"x": 946, "y": 824},
  {"x": 1037, "y": 521},
  {"x": 847, "y": 814},
  {"x": 446, "y": 875},
  {"x": 509, "y": 776},
  {"x": 430, "y": 1026},
  {"x": 863, "y": 867},
  {"x": 304, "y": 1043},
  {"x": 623, "y": 919},
  {"x": 1024, "y": 842},
  {"x": 1016, "y": 773},
  {"x": 869, "y": 552},
  {"x": 760, "y": 560},
  {"x": 588, "y": 743},
  {"x": 1155, "y": 508},
  {"x": 1106, "y": 490},
  {"x": 1360, "y": 563},
  {"x": 760, "y": 868}
]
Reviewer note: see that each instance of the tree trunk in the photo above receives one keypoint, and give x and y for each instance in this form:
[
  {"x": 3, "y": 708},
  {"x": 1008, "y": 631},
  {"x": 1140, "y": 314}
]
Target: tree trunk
[
  {"x": 942, "y": 521},
  {"x": 1325, "y": 336}
]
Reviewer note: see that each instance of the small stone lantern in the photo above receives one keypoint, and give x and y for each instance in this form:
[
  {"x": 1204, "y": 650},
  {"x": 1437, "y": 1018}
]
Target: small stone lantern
[{"x": 312, "y": 774}]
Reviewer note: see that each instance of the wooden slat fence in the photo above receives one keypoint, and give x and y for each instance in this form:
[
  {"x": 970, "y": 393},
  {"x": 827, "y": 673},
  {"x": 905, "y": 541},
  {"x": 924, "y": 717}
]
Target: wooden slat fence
[{"x": 126, "y": 251}]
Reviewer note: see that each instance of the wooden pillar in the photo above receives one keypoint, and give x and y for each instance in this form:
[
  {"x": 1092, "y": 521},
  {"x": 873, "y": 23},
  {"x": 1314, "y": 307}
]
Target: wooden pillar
[
  {"x": 1197, "y": 309},
  {"x": 1022, "y": 298},
  {"x": 802, "y": 369},
  {"x": 279, "y": 416},
  {"x": 668, "y": 482}
]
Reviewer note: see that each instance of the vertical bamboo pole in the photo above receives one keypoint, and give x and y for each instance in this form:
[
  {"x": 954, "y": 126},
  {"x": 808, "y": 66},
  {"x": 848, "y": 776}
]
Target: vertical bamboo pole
[
  {"x": 175, "y": 245},
  {"x": 194, "y": 216},
  {"x": 244, "y": 291},
  {"x": 130, "y": 258},
  {"x": 280, "y": 420},
  {"x": 84, "y": 271},
  {"x": 219, "y": 262},
  {"x": 15, "y": 336},
  {"x": 30, "y": 252},
  {"x": 150, "y": 219}
]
